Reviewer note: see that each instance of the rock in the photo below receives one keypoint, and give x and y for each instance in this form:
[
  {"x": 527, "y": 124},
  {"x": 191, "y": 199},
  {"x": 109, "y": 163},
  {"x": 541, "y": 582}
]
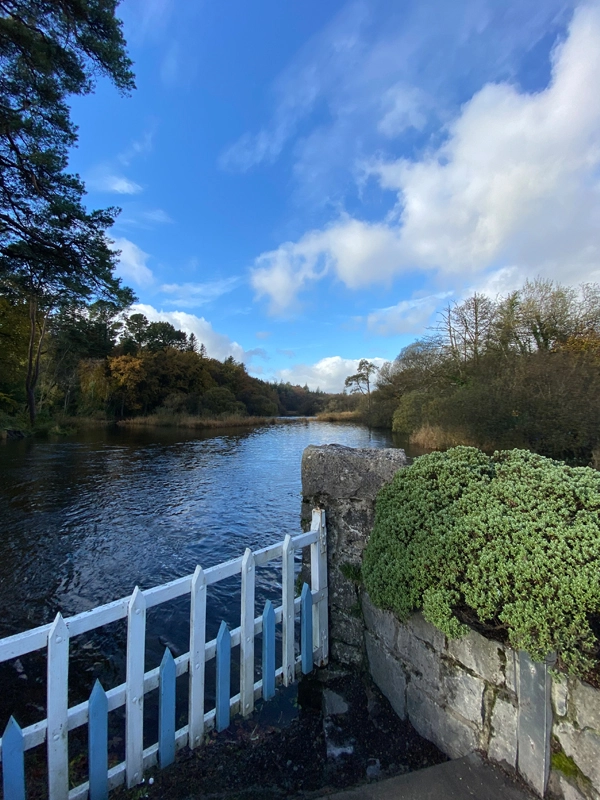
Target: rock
[
  {"x": 586, "y": 704},
  {"x": 382, "y": 624},
  {"x": 373, "y": 769},
  {"x": 454, "y": 736},
  {"x": 387, "y": 673},
  {"x": 560, "y": 693},
  {"x": 583, "y": 747},
  {"x": 478, "y": 654},
  {"x": 503, "y": 740},
  {"x": 333, "y": 704},
  {"x": 344, "y": 472}
]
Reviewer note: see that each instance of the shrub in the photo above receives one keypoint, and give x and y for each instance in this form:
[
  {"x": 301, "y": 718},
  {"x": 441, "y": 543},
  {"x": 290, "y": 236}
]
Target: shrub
[{"x": 513, "y": 539}]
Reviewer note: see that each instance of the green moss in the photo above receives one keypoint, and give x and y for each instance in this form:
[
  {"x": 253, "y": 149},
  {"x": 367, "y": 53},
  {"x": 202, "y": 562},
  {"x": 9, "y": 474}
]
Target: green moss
[
  {"x": 351, "y": 571},
  {"x": 563, "y": 763},
  {"x": 514, "y": 537}
]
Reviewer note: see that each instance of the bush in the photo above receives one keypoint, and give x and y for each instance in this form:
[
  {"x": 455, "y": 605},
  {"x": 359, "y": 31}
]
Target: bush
[{"x": 512, "y": 539}]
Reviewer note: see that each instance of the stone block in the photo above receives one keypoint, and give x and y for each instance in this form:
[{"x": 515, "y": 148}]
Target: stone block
[
  {"x": 503, "y": 739},
  {"x": 560, "y": 695},
  {"x": 586, "y": 704},
  {"x": 454, "y": 736},
  {"x": 346, "y": 654},
  {"x": 381, "y": 623},
  {"x": 483, "y": 657},
  {"x": 419, "y": 657},
  {"x": 346, "y": 472},
  {"x": 535, "y": 722},
  {"x": 511, "y": 670},
  {"x": 583, "y": 746},
  {"x": 345, "y": 628},
  {"x": 426, "y": 631},
  {"x": 463, "y": 693},
  {"x": 387, "y": 673}
]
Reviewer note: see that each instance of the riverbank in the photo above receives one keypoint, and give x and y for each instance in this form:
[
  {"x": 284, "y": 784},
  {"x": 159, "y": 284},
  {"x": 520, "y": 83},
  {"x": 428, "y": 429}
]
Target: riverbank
[
  {"x": 340, "y": 416},
  {"x": 195, "y": 422}
]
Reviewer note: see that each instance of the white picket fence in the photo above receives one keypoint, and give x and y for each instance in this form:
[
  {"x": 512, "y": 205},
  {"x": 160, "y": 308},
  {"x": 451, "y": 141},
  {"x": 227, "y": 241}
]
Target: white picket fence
[{"x": 55, "y": 637}]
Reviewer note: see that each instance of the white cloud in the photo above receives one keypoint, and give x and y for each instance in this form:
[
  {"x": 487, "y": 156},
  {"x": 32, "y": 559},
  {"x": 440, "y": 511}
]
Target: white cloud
[
  {"x": 407, "y": 316},
  {"x": 371, "y": 73},
  {"x": 132, "y": 262},
  {"x": 106, "y": 181},
  {"x": 217, "y": 344},
  {"x": 190, "y": 295},
  {"x": 328, "y": 374},
  {"x": 515, "y": 185}
]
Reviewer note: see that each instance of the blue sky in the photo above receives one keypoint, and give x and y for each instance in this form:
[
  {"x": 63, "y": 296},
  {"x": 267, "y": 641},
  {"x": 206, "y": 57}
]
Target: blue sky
[{"x": 304, "y": 184}]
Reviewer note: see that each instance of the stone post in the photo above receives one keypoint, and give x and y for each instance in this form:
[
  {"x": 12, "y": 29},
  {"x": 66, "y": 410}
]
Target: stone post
[{"x": 345, "y": 482}]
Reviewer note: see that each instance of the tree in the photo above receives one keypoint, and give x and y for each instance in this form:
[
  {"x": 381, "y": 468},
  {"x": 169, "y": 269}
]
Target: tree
[
  {"x": 52, "y": 250},
  {"x": 361, "y": 381}
]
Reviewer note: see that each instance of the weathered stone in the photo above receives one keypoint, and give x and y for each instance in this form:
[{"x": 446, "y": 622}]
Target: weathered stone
[
  {"x": 560, "y": 694},
  {"x": 586, "y": 703},
  {"x": 503, "y": 740},
  {"x": 346, "y": 628},
  {"x": 511, "y": 670},
  {"x": 453, "y": 735},
  {"x": 562, "y": 788},
  {"x": 419, "y": 657},
  {"x": 583, "y": 747},
  {"x": 346, "y": 654},
  {"x": 387, "y": 673},
  {"x": 333, "y": 703},
  {"x": 381, "y": 623},
  {"x": 535, "y": 722},
  {"x": 463, "y": 693},
  {"x": 345, "y": 472},
  {"x": 478, "y": 654},
  {"x": 426, "y": 631}
]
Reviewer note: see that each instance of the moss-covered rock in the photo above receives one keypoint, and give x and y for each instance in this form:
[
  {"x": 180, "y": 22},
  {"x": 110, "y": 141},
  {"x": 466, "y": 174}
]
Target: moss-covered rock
[{"x": 514, "y": 537}]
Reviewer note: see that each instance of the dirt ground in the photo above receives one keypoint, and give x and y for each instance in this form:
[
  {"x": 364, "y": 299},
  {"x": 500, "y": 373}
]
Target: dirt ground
[{"x": 337, "y": 731}]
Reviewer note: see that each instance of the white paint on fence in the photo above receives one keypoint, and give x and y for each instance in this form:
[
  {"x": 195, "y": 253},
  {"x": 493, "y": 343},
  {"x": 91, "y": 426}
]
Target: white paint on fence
[{"x": 61, "y": 718}]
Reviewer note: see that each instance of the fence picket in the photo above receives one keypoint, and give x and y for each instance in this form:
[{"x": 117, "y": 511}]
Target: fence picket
[
  {"x": 196, "y": 664},
  {"x": 98, "y": 743},
  {"x": 166, "y": 710},
  {"x": 223, "y": 677},
  {"x": 13, "y": 763},
  {"x": 268, "y": 651},
  {"x": 313, "y": 608},
  {"x": 287, "y": 621},
  {"x": 247, "y": 635},
  {"x": 134, "y": 691},
  {"x": 318, "y": 570},
  {"x": 58, "y": 710},
  {"x": 306, "y": 629}
]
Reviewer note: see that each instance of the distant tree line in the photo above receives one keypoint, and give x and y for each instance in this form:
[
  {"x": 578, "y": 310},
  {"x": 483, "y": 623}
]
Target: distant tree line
[
  {"x": 102, "y": 363},
  {"x": 522, "y": 370}
]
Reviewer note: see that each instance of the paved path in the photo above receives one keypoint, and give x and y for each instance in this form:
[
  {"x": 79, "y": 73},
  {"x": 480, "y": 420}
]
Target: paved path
[{"x": 468, "y": 778}]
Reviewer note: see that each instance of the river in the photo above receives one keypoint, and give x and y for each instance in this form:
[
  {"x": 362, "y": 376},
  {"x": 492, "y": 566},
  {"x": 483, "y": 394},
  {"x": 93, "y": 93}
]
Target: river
[{"x": 87, "y": 518}]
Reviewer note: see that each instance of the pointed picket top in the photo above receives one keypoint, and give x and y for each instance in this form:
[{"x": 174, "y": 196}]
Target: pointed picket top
[
  {"x": 268, "y": 653},
  {"x": 223, "y": 678},
  {"x": 197, "y": 668},
  {"x": 166, "y": 710},
  {"x": 58, "y": 630},
  {"x": 137, "y": 602},
  {"x": 13, "y": 765},
  {"x": 306, "y": 629},
  {"x": 98, "y": 743}
]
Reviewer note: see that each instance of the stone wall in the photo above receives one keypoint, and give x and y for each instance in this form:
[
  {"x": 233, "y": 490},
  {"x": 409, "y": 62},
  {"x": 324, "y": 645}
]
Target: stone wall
[{"x": 465, "y": 694}]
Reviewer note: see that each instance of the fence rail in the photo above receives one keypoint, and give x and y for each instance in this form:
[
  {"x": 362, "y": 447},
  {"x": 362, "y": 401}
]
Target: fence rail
[{"x": 312, "y": 605}]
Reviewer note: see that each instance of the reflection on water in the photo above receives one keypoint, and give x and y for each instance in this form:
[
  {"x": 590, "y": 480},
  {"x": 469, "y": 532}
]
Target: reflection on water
[{"x": 86, "y": 519}]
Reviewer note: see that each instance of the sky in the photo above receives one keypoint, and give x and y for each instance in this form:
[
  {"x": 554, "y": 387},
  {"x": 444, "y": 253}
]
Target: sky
[{"x": 307, "y": 183}]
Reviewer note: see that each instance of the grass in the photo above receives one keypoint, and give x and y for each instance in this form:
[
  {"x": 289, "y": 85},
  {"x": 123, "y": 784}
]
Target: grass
[
  {"x": 196, "y": 422},
  {"x": 339, "y": 416},
  {"x": 434, "y": 437}
]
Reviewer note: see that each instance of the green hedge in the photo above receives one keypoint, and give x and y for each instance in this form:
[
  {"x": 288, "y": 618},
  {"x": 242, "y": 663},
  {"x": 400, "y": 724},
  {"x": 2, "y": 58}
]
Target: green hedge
[{"x": 513, "y": 537}]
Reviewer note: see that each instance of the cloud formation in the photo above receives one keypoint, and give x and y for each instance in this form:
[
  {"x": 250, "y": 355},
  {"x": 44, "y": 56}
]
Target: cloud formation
[
  {"x": 190, "y": 295},
  {"x": 132, "y": 262},
  {"x": 515, "y": 183},
  {"x": 217, "y": 344},
  {"x": 107, "y": 181},
  {"x": 328, "y": 374}
]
